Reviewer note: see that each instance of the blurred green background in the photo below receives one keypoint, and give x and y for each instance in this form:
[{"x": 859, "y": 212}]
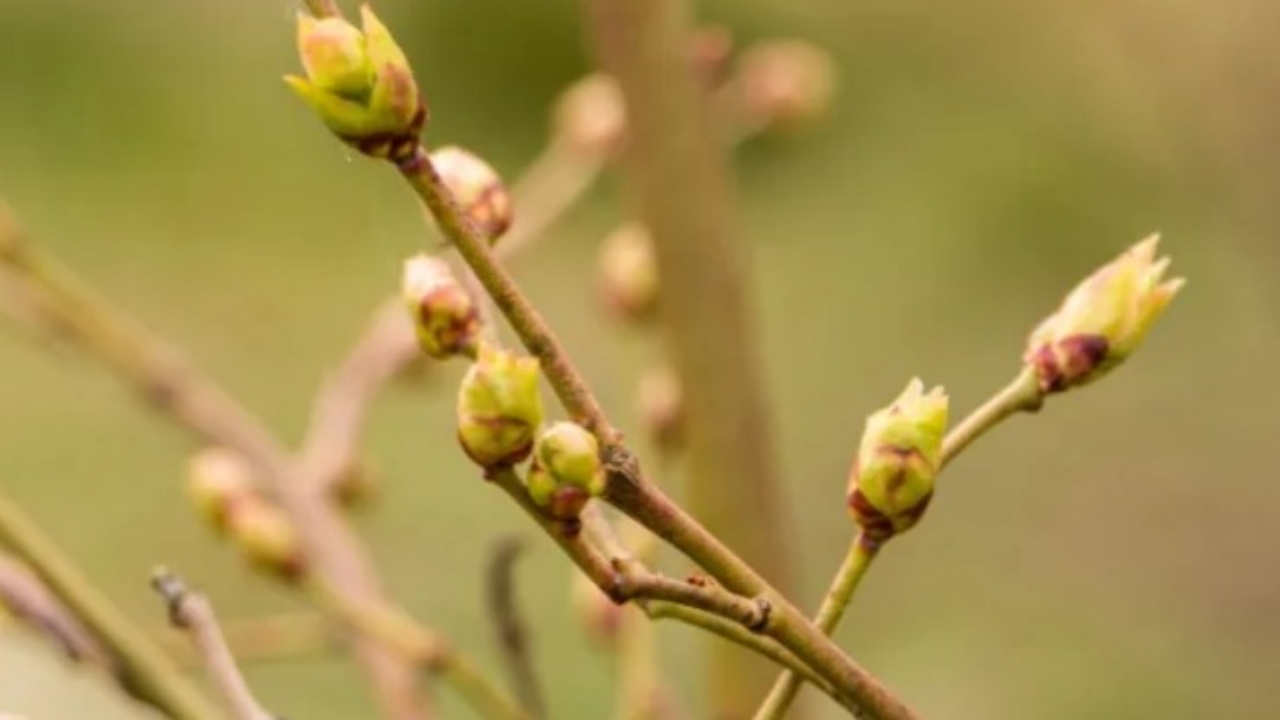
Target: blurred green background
[{"x": 1113, "y": 557}]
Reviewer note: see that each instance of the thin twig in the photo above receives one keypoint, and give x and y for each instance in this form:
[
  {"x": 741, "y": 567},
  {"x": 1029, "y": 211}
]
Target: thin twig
[
  {"x": 424, "y": 649},
  {"x": 735, "y": 633},
  {"x": 31, "y": 601},
  {"x": 512, "y": 637},
  {"x": 142, "y": 669},
  {"x": 845, "y": 583},
  {"x": 1020, "y": 395},
  {"x": 331, "y": 448},
  {"x": 198, "y": 404},
  {"x": 193, "y": 613}
]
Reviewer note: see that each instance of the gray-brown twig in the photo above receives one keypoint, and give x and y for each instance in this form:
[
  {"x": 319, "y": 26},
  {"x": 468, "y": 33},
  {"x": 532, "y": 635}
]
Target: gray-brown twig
[
  {"x": 139, "y": 665},
  {"x": 513, "y": 639},
  {"x": 193, "y": 613}
]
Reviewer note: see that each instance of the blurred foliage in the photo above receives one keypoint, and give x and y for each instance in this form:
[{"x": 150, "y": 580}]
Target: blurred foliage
[{"x": 1112, "y": 557}]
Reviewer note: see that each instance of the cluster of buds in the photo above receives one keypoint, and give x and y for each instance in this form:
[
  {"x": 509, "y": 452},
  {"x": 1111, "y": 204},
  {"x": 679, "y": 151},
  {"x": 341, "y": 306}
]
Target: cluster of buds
[
  {"x": 360, "y": 84},
  {"x": 445, "y": 317},
  {"x": 566, "y": 471},
  {"x": 499, "y": 408},
  {"x": 786, "y": 84},
  {"x": 659, "y": 403},
  {"x": 591, "y": 117},
  {"x": 627, "y": 272},
  {"x": 222, "y": 487},
  {"x": 477, "y": 189},
  {"x": 1103, "y": 320},
  {"x": 898, "y": 460}
]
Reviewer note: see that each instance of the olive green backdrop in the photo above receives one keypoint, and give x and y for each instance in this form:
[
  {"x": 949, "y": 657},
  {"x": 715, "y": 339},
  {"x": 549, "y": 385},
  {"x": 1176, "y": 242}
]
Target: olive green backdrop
[{"x": 1113, "y": 557}]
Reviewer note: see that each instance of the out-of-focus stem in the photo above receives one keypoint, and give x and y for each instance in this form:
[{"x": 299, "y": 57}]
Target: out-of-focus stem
[
  {"x": 197, "y": 403},
  {"x": 142, "y": 669},
  {"x": 680, "y": 184}
]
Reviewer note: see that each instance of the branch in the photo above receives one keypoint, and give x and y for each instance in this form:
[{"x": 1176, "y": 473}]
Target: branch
[
  {"x": 1021, "y": 395},
  {"x": 330, "y": 451},
  {"x": 861, "y": 552},
  {"x": 266, "y": 639},
  {"x": 511, "y": 632},
  {"x": 733, "y": 486},
  {"x": 421, "y": 647},
  {"x": 627, "y": 488},
  {"x": 195, "y": 402},
  {"x": 30, "y": 600},
  {"x": 735, "y": 633},
  {"x": 193, "y": 613},
  {"x": 141, "y": 668}
]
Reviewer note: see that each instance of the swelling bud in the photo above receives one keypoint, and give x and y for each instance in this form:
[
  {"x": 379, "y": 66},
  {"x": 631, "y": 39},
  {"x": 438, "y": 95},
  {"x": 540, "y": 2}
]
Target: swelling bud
[
  {"x": 566, "y": 471},
  {"x": 1102, "y": 320},
  {"x": 499, "y": 408},
  {"x": 446, "y": 320},
  {"x": 217, "y": 478},
  {"x": 898, "y": 459},
  {"x": 360, "y": 84},
  {"x": 477, "y": 189}
]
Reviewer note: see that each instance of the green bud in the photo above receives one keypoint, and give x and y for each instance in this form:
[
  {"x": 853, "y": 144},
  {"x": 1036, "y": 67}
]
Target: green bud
[
  {"x": 786, "y": 84},
  {"x": 1102, "y": 320},
  {"x": 360, "y": 84},
  {"x": 217, "y": 478},
  {"x": 445, "y": 318},
  {"x": 628, "y": 273},
  {"x": 566, "y": 471},
  {"x": 267, "y": 538},
  {"x": 499, "y": 407},
  {"x": 477, "y": 188},
  {"x": 893, "y": 477}
]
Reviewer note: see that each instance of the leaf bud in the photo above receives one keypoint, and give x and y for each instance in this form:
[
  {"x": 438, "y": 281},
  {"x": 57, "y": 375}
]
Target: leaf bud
[
  {"x": 445, "y": 318},
  {"x": 898, "y": 460},
  {"x": 1102, "y": 320},
  {"x": 499, "y": 407},
  {"x": 477, "y": 188},
  {"x": 627, "y": 272},
  {"x": 567, "y": 471}
]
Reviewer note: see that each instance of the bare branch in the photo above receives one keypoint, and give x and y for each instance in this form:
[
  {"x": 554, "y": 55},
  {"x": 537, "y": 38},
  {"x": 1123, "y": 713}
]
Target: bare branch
[
  {"x": 30, "y": 600},
  {"x": 143, "y": 671},
  {"x": 193, "y": 613},
  {"x": 512, "y": 637}
]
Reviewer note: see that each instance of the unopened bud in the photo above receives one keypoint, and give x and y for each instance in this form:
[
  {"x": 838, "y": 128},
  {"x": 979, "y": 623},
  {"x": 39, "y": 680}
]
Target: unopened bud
[
  {"x": 360, "y": 84},
  {"x": 898, "y": 460},
  {"x": 628, "y": 273},
  {"x": 445, "y": 318},
  {"x": 661, "y": 407},
  {"x": 1103, "y": 320},
  {"x": 477, "y": 188},
  {"x": 217, "y": 478},
  {"x": 591, "y": 115},
  {"x": 499, "y": 407},
  {"x": 566, "y": 471},
  {"x": 267, "y": 538},
  {"x": 786, "y": 84},
  {"x": 600, "y": 616}
]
